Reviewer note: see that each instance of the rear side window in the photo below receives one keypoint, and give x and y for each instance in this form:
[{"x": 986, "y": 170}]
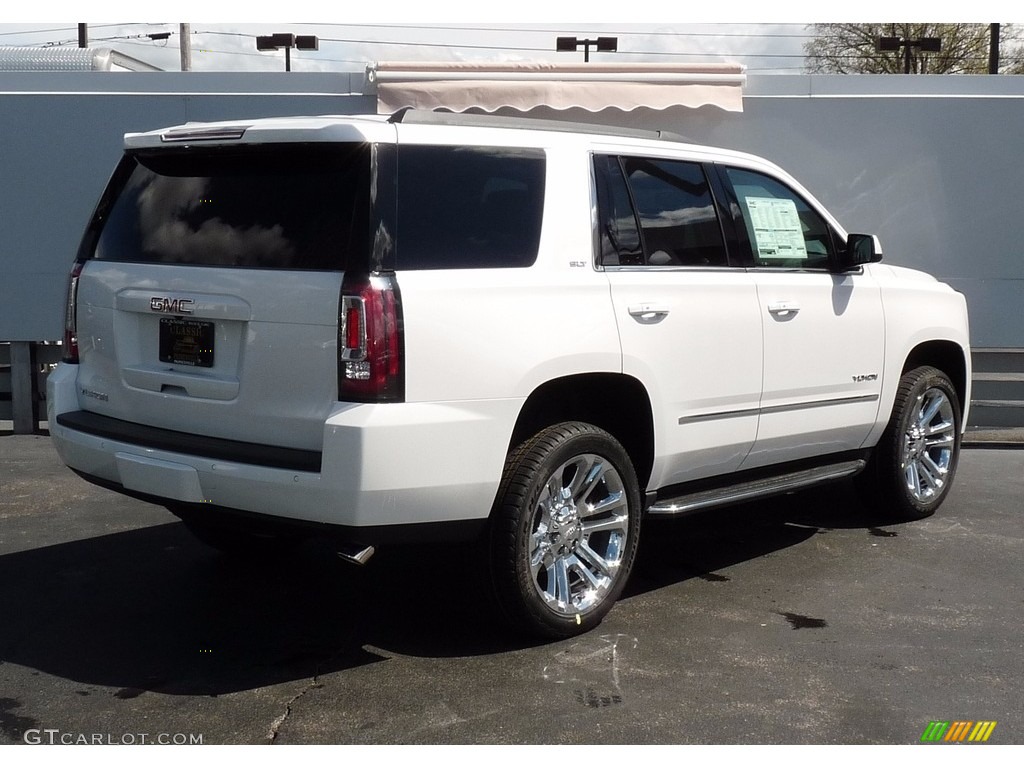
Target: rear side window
[
  {"x": 285, "y": 207},
  {"x": 620, "y": 233},
  {"x": 657, "y": 213},
  {"x": 468, "y": 207},
  {"x": 677, "y": 213}
]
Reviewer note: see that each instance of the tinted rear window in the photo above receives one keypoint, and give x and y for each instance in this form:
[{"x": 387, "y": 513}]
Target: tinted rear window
[
  {"x": 294, "y": 207},
  {"x": 468, "y": 207},
  {"x": 677, "y": 214}
]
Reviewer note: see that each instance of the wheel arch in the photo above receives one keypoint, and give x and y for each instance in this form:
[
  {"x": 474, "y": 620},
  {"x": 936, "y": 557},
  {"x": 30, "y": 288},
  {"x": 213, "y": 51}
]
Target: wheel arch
[
  {"x": 616, "y": 403},
  {"x": 947, "y": 356}
]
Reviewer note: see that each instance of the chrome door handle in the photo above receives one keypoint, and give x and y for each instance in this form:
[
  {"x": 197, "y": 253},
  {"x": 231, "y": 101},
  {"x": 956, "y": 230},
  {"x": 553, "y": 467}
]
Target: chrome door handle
[
  {"x": 648, "y": 311},
  {"x": 783, "y": 308}
]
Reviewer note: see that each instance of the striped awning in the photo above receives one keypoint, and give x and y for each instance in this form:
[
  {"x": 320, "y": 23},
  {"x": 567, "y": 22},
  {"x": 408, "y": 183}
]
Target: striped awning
[{"x": 459, "y": 86}]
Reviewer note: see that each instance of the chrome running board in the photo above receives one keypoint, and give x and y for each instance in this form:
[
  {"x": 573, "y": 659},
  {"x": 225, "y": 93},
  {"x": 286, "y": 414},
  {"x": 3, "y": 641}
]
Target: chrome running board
[{"x": 753, "y": 489}]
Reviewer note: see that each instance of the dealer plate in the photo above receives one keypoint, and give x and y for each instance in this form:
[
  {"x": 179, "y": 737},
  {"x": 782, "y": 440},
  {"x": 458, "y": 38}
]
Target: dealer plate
[{"x": 186, "y": 342}]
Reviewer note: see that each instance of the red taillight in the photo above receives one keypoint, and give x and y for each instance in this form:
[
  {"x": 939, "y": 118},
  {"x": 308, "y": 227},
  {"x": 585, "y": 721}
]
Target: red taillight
[
  {"x": 370, "y": 340},
  {"x": 70, "y": 319},
  {"x": 354, "y": 330}
]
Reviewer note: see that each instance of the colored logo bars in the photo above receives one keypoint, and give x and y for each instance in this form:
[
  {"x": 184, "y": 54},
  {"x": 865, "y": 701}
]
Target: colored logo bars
[{"x": 958, "y": 730}]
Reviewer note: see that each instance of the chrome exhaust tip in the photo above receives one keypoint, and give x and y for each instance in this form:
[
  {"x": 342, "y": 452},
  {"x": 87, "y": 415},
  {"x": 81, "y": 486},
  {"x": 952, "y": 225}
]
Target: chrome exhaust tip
[{"x": 355, "y": 555}]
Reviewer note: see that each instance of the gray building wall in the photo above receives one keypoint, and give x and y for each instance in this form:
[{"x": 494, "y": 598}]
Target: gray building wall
[
  {"x": 61, "y": 135},
  {"x": 929, "y": 163},
  {"x": 933, "y": 165}
]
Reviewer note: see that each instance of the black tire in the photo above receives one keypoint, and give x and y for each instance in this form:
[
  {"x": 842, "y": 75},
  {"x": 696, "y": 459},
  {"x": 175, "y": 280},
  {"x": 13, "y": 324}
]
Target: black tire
[
  {"x": 912, "y": 467},
  {"x": 557, "y": 570}
]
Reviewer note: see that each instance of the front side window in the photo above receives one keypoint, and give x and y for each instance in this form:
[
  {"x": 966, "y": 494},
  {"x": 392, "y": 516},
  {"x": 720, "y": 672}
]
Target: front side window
[
  {"x": 782, "y": 229},
  {"x": 468, "y": 207}
]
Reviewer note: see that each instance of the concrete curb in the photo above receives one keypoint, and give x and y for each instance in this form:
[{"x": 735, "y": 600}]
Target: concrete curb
[{"x": 982, "y": 437}]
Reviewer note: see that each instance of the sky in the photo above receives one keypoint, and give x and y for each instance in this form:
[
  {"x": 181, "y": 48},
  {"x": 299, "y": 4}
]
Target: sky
[
  {"x": 349, "y": 47},
  {"x": 762, "y": 36}
]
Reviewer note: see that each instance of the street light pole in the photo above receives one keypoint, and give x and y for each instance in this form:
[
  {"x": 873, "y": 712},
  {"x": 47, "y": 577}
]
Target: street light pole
[
  {"x": 573, "y": 44},
  {"x": 929, "y": 44},
  {"x": 287, "y": 41}
]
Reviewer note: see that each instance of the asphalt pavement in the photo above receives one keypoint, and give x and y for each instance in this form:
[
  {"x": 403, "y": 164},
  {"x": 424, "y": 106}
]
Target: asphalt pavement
[{"x": 803, "y": 620}]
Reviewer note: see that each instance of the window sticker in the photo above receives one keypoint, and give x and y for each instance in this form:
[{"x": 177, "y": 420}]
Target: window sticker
[{"x": 778, "y": 233}]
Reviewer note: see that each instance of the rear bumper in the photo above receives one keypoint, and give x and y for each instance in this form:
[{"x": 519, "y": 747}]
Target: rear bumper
[
  {"x": 396, "y": 464},
  {"x": 273, "y": 525}
]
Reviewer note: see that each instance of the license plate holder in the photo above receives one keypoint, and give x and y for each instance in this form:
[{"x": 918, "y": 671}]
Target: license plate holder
[{"x": 186, "y": 342}]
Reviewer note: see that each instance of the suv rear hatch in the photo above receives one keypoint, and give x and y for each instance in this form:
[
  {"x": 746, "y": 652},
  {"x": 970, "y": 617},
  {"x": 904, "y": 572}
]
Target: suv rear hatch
[{"x": 207, "y": 300}]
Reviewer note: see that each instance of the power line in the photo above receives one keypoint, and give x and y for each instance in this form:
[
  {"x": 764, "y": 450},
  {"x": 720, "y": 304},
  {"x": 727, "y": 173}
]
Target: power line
[
  {"x": 127, "y": 39},
  {"x": 59, "y": 29},
  {"x": 556, "y": 30},
  {"x": 259, "y": 55},
  {"x": 469, "y": 46},
  {"x": 683, "y": 35},
  {"x": 527, "y": 49},
  {"x": 495, "y": 48}
]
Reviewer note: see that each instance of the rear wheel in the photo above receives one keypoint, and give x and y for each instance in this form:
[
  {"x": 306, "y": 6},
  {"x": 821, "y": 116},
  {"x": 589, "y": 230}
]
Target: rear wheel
[
  {"x": 565, "y": 529},
  {"x": 913, "y": 465}
]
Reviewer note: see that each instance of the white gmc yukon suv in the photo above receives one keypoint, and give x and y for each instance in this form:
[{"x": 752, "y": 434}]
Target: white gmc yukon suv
[{"x": 527, "y": 334}]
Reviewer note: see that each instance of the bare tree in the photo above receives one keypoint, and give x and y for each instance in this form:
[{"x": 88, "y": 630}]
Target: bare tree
[
  {"x": 1014, "y": 62},
  {"x": 850, "y": 48}
]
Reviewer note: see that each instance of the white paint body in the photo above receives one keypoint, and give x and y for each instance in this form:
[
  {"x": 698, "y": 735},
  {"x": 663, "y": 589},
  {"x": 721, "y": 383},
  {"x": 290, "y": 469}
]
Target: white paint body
[{"x": 478, "y": 342}]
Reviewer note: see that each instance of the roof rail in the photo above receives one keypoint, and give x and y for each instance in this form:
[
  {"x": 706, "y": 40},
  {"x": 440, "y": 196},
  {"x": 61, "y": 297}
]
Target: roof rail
[{"x": 425, "y": 117}]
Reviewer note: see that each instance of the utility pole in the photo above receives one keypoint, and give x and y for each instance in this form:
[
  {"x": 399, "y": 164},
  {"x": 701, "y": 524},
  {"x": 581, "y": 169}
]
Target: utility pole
[
  {"x": 185, "y": 44},
  {"x": 993, "y": 49},
  {"x": 83, "y": 35}
]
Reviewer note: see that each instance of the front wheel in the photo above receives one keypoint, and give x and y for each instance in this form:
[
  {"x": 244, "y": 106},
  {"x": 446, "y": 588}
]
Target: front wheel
[
  {"x": 913, "y": 465},
  {"x": 564, "y": 529}
]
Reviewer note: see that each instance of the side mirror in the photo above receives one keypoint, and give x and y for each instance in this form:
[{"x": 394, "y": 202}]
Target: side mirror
[{"x": 860, "y": 249}]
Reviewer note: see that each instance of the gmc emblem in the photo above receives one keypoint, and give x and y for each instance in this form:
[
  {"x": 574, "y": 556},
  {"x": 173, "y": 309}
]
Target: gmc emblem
[{"x": 171, "y": 306}]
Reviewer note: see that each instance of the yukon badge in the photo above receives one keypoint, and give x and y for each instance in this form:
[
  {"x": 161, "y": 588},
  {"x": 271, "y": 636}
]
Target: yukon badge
[
  {"x": 866, "y": 377},
  {"x": 171, "y": 306}
]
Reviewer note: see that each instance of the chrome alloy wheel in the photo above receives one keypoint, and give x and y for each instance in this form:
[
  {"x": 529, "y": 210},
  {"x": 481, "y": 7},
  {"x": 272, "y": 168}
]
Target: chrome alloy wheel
[
  {"x": 928, "y": 445},
  {"x": 579, "y": 535}
]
